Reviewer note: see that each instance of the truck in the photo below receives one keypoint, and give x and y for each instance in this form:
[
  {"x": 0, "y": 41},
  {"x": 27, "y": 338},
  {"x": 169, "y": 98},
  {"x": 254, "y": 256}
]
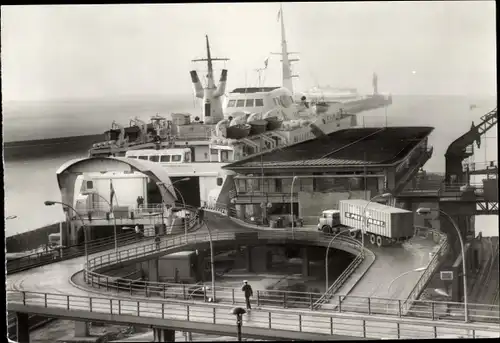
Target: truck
[{"x": 382, "y": 224}]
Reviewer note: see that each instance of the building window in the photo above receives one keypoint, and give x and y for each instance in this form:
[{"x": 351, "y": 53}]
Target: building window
[
  {"x": 231, "y": 103},
  {"x": 214, "y": 151},
  {"x": 165, "y": 158},
  {"x": 219, "y": 181},
  {"x": 259, "y": 102},
  {"x": 278, "y": 185},
  {"x": 240, "y": 103},
  {"x": 90, "y": 184},
  {"x": 154, "y": 158},
  {"x": 249, "y": 103}
]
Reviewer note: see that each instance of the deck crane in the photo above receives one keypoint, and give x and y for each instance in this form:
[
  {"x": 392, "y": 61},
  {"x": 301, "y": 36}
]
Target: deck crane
[{"x": 463, "y": 147}]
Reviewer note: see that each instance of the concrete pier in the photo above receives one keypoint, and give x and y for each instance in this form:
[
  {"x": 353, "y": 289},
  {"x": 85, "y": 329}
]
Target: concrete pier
[{"x": 23, "y": 328}]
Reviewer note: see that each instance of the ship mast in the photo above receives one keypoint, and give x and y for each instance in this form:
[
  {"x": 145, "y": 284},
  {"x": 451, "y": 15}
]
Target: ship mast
[
  {"x": 285, "y": 60},
  {"x": 211, "y": 95},
  {"x": 210, "y": 70}
]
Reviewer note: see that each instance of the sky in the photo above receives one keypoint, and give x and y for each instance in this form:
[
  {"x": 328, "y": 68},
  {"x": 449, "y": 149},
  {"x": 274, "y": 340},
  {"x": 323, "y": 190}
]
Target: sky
[{"x": 105, "y": 51}]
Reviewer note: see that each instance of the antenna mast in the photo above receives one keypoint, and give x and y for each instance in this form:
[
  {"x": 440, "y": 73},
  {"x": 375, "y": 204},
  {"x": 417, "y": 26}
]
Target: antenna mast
[{"x": 285, "y": 60}]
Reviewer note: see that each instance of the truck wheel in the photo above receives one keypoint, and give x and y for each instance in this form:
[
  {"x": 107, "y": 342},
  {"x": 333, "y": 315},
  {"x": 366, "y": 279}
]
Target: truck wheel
[
  {"x": 372, "y": 239},
  {"x": 379, "y": 241},
  {"x": 326, "y": 229},
  {"x": 353, "y": 234}
]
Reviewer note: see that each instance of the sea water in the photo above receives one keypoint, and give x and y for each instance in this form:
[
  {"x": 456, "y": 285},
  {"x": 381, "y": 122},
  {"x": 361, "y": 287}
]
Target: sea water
[{"x": 28, "y": 183}]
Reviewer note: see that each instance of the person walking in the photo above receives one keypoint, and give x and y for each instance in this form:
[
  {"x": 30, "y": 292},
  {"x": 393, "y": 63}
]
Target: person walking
[{"x": 247, "y": 290}]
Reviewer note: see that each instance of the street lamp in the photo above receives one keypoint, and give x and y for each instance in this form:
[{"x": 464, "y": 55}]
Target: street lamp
[
  {"x": 328, "y": 249},
  {"x": 182, "y": 197},
  {"x": 111, "y": 209},
  {"x": 212, "y": 265},
  {"x": 416, "y": 270},
  {"x": 424, "y": 211},
  {"x": 51, "y": 203},
  {"x": 291, "y": 203},
  {"x": 384, "y": 196},
  {"x": 238, "y": 312}
]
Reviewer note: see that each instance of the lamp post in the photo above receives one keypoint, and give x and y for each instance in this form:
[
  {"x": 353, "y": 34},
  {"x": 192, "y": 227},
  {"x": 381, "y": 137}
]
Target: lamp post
[
  {"x": 182, "y": 198},
  {"x": 384, "y": 195},
  {"x": 51, "y": 203},
  {"x": 238, "y": 312},
  {"x": 425, "y": 211},
  {"x": 212, "y": 266},
  {"x": 111, "y": 209},
  {"x": 326, "y": 257},
  {"x": 416, "y": 270},
  {"x": 291, "y": 204}
]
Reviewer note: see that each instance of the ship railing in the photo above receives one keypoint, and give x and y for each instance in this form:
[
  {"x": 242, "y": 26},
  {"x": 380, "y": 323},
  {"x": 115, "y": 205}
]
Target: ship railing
[
  {"x": 275, "y": 298},
  {"x": 216, "y": 207}
]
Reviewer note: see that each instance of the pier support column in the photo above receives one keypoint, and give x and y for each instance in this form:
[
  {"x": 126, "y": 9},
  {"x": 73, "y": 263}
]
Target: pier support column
[
  {"x": 22, "y": 328},
  {"x": 305, "y": 261},
  {"x": 248, "y": 259},
  {"x": 153, "y": 270},
  {"x": 81, "y": 329},
  {"x": 164, "y": 335}
]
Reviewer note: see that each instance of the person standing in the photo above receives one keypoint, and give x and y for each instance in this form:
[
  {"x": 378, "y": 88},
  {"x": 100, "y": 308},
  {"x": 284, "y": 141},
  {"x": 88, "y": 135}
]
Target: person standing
[{"x": 248, "y": 292}]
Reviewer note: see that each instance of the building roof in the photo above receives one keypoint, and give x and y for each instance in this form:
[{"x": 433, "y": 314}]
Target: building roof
[{"x": 352, "y": 147}]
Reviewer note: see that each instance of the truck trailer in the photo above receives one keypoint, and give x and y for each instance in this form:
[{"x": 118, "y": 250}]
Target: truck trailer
[{"x": 383, "y": 225}]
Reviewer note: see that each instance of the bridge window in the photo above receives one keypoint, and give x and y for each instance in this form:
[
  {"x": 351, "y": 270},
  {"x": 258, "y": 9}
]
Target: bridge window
[
  {"x": 249, "y": 103},
  {"x": 143, "y": 158},
  {"x": 165, "y": 158},
  {"x": 154, "y": 158},
  {"x": 219, "y": 181},
  {"x": 231, "y": 103},
  {"x": 132, "y": 157},
  {"x": 259, "y": 102},
  {"x": 240, "y": 103},
  {"x": 176, "y": 158}
]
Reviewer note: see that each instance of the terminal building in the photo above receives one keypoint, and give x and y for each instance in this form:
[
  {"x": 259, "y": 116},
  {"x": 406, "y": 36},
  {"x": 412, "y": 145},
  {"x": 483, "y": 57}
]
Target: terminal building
[{"x": 314, "y": 175}]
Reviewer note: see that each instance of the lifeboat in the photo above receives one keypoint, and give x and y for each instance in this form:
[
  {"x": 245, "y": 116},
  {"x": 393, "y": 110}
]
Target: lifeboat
[
  {"x": 238, "y": 128},
  {"x": 273, "y": 121},
  {"x": 257, "y": 125}
]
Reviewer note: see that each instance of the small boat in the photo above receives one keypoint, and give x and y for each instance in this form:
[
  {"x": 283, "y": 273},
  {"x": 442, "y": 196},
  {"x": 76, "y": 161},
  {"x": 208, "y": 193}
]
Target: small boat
[
  {"x": 258, "y": 125},
  {"x": 238, "y": 131},
  {"x": 273, "y": 123}
]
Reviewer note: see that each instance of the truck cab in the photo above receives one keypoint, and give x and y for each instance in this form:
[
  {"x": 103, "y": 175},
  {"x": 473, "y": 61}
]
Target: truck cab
[{"x": 329, "y": 221}]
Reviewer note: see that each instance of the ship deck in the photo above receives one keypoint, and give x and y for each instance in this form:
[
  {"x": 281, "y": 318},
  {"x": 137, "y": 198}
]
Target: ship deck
[{"x": 350, "y": 147}]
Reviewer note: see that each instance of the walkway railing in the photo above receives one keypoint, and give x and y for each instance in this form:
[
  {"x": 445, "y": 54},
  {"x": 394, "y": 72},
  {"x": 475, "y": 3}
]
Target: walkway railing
[
  {"x": 61, "y": 254},
  {"x": 157, "y": 312},
  {"x": 428, "y": 273},
  {"x": 282, "y": 299}
]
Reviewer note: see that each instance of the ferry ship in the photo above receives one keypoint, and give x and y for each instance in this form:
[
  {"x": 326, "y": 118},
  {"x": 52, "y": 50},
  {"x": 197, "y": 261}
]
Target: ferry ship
[{"x": 253, "y": 120}]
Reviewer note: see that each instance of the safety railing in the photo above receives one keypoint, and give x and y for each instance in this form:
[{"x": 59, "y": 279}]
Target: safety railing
[
  {"x": 274, "y": 298},
  {"x": 320, "y": 323},
  {"x": 429, "y": 271},
  {"x": 70, "y": 252},
  {"x": 346, "y": 274}
]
